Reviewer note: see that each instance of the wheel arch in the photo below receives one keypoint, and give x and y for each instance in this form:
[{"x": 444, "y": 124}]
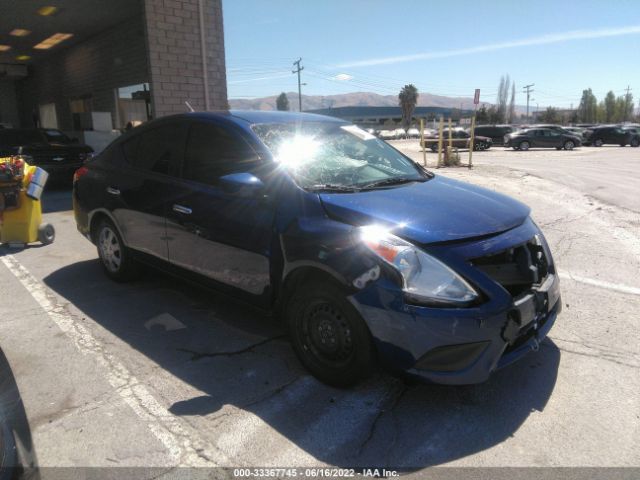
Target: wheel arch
[{"x": 94, "y": 220}]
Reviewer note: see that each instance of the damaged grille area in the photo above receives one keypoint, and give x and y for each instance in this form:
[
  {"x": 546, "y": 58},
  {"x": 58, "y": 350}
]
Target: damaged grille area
[{"x": 517, "y": 269}]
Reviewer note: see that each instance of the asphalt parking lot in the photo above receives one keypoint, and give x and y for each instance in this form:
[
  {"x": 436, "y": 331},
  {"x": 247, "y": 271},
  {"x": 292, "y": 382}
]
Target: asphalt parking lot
[{"x": 159, "y": 373}]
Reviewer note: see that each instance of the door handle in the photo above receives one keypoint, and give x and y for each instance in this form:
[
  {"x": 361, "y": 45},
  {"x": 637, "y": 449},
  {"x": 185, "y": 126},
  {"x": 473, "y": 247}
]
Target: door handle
[
  {"x": 113, "y": 191},
  {"x": 181, "y": 209}
]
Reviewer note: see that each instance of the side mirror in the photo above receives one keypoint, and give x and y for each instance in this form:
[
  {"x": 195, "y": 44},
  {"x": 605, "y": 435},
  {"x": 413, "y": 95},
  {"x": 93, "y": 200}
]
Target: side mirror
[{"x": 244, "y": 184}]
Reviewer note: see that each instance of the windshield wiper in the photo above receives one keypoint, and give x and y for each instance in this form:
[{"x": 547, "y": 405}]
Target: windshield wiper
[
  {"x": 330, "y": 187},
  {"x": 392, "y": 181}
]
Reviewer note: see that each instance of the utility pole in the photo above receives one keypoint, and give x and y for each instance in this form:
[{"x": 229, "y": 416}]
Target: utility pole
[
  {"x": 627, "y": 103},
  {"x": 298, "y": 70},
  {"x": 528, "y": 90}
]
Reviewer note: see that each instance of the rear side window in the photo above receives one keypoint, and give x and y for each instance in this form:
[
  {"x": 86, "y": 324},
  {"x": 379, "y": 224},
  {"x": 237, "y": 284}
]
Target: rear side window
[
  {"x": 214, "y": 151},
  {"x": 159, "y": 150}
]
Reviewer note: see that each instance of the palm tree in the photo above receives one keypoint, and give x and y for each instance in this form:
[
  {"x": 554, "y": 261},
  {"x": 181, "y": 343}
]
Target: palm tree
[{"x": 408, "y": 98}]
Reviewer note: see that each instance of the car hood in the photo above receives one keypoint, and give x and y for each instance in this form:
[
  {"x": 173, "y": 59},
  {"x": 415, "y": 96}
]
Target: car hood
[{"x": 438, "y": 210}]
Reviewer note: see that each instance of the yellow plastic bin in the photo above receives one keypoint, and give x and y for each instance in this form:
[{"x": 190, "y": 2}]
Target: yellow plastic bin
[{"x": 22, "y": 223}]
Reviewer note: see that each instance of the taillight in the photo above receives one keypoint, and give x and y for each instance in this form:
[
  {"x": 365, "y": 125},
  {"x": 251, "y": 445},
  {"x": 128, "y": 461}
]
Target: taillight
[{"x": 79, "y": 173}]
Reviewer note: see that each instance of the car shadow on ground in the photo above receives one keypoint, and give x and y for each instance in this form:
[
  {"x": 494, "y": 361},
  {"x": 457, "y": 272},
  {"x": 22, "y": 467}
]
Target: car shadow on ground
[{"x": 233, "y": 357}]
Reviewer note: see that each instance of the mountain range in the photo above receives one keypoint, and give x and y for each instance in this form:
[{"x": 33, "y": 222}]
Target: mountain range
[{"x": 355, "y": 99}]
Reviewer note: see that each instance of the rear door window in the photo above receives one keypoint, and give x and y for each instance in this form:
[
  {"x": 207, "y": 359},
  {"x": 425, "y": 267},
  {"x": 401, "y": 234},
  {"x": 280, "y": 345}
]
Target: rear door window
[{"x": 214, "y": 151}]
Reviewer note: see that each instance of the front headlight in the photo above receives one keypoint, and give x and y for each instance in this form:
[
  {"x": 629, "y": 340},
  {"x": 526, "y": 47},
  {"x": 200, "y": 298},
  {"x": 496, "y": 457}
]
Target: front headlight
[{"x": 425, "y": 279}]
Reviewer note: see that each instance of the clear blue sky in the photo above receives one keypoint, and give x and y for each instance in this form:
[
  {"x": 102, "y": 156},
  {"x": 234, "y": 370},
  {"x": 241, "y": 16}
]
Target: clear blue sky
[{"x": 447, "y": 48}]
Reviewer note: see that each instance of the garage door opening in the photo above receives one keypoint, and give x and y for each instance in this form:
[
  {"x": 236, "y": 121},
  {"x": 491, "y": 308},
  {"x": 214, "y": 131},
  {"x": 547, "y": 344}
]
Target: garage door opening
[{"x": 134, "y": 105}]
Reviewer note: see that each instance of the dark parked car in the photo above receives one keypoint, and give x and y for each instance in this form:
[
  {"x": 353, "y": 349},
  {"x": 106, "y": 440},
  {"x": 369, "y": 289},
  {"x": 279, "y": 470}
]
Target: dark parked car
[
  {"x": 600, "y": 136},
  {"x": 17, "y": 455},
  {"x": 48, "y": 148},
  {"x": 541, "y": 138},
  {"x": 495, "y": 132},
  {"x": 364, "y": 254},
  {"x": 459, "y": 139}
]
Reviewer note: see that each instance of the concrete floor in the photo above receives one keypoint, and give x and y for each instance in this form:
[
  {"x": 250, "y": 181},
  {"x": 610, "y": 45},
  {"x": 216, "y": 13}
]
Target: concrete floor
[{"x": 157, "y": 373}]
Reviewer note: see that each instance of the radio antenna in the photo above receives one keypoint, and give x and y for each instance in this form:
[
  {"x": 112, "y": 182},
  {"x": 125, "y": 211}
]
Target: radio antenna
[{"x": 189, "y": 106}]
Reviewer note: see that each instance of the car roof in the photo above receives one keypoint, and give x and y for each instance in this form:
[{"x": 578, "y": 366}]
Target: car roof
[{"x": 261, "y": 116}]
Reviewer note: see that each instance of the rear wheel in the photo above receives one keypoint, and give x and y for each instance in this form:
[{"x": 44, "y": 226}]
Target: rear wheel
[
  {"x": 434, "y": 148},
  {"x": 598, "y": 142},
  {"x": 569, "y": 145},
  {"x": 635, "y": 142},
  {"x": 524, "y": 146},
  {"x": 328, "y": 334},
  {"x": 116, "y": 259}
]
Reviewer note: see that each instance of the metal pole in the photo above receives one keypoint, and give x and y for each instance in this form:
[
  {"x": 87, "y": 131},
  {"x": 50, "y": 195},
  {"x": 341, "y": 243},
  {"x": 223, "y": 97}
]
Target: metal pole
[
  {"x": 473, "y": 141},
  {"x": 528, "y": 90},
  {"x": 424, "y": 150},
  {"x": 440, "y": 141},
  {"x": 298, "y": 70}
]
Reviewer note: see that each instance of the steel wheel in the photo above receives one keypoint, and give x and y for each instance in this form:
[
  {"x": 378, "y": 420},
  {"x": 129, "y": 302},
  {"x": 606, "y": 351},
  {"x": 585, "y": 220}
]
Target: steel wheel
[
  {"x": 524, "y": 146},
  {"x": 110, "y": 249},
  {"x": 328, "y": 334},
  {"x": 568, "y": 145}
]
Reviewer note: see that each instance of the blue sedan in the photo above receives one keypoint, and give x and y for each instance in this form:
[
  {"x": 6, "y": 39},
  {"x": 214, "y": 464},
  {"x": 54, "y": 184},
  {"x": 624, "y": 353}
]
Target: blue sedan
[{"x": 366, "y": 256}]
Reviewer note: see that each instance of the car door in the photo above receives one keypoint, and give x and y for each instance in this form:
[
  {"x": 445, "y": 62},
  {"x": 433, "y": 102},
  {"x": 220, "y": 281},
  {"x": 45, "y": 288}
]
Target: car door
[
  {"x": 138, "y": 192},
  {"x": 214, "y": 229}
]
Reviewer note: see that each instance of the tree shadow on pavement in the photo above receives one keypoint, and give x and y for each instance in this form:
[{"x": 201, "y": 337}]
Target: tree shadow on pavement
[{"x": 238, "y": 365}]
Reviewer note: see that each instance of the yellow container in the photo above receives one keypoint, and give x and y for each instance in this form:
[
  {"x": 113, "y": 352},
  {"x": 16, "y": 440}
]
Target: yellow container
[
  {"x": 21, "y": 225},
  {"x": 24, "y": 224}
]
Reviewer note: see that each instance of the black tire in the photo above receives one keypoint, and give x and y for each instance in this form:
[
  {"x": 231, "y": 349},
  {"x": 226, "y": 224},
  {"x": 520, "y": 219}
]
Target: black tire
[
  {"x": 524, "y": 146},
  {"x": 623, "y": 144},
  {"x": 328, "y": 335},
  {"x": 434, "y": 148},
  {"x": 116, "y": 259},
  {"x": 598, "y": 142},
  {"x": 635, "y": 142},
  {"x": 569, "y": 145},
  {"x": 46, "y": 233}
]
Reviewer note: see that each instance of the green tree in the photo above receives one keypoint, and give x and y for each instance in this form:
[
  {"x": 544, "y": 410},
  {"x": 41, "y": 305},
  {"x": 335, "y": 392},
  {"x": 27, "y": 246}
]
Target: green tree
[
  {"x": 493, "y": 115},
  {"x": 511, "y": 113},
  {"x": 408, "y": 99},
  {"x": 588, "y": 107},
  {"x": 550, "y": 115},
  {"x": 282, "y": 102},
  {"x": 503, "y": 98},
  {"x": 620, "y": 110},
  {"x": 609, "y": 106},
  {"x": 481, "y": 115}
]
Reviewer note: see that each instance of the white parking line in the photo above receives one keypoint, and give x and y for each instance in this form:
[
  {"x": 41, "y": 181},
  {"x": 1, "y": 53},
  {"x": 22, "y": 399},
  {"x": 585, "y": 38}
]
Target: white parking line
[
  {"x": 600, "y": 283},
  {"x": 185, "y": 447}
]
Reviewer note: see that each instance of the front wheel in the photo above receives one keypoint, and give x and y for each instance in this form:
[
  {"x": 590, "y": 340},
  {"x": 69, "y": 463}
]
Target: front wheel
[
  {"x": 569, "y": 145},
  {"x": 635, "y": 142},
  {"x": 434, "y": 148},
  {"x": 115, "y": 257},
  {"x": 524, "y": 146},
  {"x": 330, "y": 338},
  {"x": 598, "y": 142}
]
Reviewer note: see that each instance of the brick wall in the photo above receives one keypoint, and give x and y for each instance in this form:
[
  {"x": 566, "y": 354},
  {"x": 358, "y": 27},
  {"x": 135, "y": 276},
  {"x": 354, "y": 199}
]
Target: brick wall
[
  {"x": 111, "y": 59},
  {"x": 175, "y": 55},
  {"x": 8, "y": 103}
]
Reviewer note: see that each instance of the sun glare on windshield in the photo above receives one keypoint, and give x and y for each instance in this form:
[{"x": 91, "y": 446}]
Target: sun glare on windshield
[{"x": 297, "y": 150}]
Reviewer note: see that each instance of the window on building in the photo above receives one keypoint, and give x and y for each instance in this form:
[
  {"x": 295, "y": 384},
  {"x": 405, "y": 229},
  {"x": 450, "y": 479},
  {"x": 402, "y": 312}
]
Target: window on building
[
  {"x": 48, "y": 116},
  {"x": 134, "y": 105}
]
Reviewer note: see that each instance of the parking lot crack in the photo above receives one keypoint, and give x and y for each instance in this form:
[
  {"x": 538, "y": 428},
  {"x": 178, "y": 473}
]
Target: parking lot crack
[
  {"x": 388, "y": 403},
  {"x": 195, "y": 356}
]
